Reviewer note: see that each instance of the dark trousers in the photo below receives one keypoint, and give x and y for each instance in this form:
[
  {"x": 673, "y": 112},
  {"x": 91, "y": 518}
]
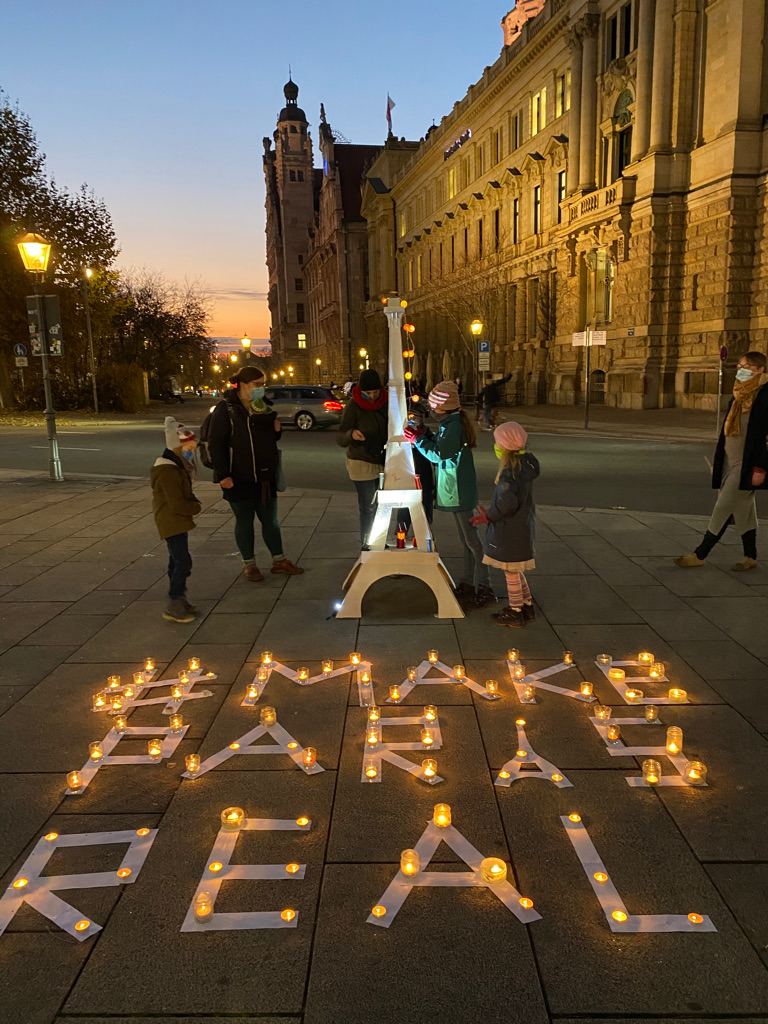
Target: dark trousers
[
  {"x": 179, "y": 564},
  {"x": 366, "y": 505},
  {"x": 266, "y": 512}
]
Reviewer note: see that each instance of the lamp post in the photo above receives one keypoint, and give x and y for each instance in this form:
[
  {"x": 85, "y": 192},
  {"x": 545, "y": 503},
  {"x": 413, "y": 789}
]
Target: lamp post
[
  {"x": 245, "y": 342},
  {"x": 35, "y": 252},
  {"x": 476, "y": 329},
  {"x": 87, "y": 275}
]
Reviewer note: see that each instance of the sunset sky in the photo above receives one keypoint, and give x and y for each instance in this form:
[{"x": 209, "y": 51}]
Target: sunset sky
[{"x": 161, "y": 105}]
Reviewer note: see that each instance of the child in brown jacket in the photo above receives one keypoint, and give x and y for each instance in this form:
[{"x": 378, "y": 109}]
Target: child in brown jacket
[{"x": 174, "y": 505}]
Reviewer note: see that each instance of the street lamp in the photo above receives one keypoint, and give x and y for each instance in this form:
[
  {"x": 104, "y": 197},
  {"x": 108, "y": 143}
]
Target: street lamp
[
  {"x": 318, "y": 362},
  {"x": 35, "y": 252},
  {"x": 233, "y": 357},
  {"x": 476, "y": 329},
  {"x": 245, "y": 341},
  {"x": 87, "y": 275}
]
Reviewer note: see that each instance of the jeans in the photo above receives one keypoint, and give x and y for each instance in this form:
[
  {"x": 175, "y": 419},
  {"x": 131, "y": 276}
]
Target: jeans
[
  {"x": 366, "y": 505},
  {"x": 475, "y": 572},
  {"x": 244, "y": 512},
  {"x": 179, "y": 564}
]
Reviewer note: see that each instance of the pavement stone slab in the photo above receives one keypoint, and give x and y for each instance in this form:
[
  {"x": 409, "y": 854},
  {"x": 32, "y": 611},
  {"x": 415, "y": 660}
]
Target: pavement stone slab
[
  {"x": 706, "y": 581},
  {"x": 607, "y": 562},
  {"x": 15, "y": 575},
  {"x": 26, "y": 802},
  {"x": 644, "y": 596},
  {"x": 559, "y": 559},
  {"x": 103, "y": 602},
  {"x": 741, "y": 886},
  {"x": 28, "y": 665},
  {"x": 18, "y": 620},
  {"x": 581, "y": 602},
  {"x": 315, "y": 634},
  {"x": 142, "y": 620},
  {"x": 392, "y": 648},
  {"x": 69, "y": 582},
  {"x": 717, "y": 660},
  {"x": 67, "y": 628},
  {"x": 38, "y": 972},
  {"x": 480, "y": 636},
  {"x": 230, "y": 628}
]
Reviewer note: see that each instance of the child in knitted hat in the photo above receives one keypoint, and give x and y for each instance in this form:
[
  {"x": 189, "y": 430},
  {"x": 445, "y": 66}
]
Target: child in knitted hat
[
  {"x": 511, "y": 521},
  {"x": 174, "y": 506}
]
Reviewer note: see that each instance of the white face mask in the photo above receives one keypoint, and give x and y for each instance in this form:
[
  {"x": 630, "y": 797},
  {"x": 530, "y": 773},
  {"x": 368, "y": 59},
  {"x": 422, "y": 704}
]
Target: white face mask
[{"x": 744, "y": 373}]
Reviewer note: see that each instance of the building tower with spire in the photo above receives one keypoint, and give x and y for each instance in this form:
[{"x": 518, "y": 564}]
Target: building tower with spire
[{"x": 290, "y": 209}]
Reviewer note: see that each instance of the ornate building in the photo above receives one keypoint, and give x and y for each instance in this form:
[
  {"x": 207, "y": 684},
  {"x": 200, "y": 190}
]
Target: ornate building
[{"x": 607, "y": 172}]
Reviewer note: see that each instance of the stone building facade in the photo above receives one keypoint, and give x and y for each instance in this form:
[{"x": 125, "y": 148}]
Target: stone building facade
[{"x": 607, "y": 172}]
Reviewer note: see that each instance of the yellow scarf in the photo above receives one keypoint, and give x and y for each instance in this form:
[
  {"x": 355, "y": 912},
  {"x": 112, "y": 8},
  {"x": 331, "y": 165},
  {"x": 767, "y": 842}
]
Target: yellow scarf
[{"x": 744, "y": 392}]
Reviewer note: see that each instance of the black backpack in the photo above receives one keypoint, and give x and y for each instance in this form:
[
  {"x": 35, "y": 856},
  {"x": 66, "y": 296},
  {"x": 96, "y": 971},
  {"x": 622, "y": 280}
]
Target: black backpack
[{"x": 203, "y": 447}]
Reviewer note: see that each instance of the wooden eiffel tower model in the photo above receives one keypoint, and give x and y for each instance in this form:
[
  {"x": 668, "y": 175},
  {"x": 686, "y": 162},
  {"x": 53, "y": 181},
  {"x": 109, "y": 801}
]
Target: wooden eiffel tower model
[{"x": 400, "y": 490}]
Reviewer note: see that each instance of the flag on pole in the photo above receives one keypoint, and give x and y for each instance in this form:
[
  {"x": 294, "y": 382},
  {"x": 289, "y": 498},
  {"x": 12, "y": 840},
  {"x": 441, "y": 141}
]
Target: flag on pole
[{"x": 390, "y": 105}]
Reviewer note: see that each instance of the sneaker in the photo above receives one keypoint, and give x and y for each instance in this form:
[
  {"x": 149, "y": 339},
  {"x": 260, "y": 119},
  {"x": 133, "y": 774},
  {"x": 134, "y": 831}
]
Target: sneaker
[
  {"x": 510, "y": 617},
  {"x": 528, "y": 613},
  {"x": 745, "y": 564},
  {"x": 176, "y": 611},
  {"x": 689, "y": 561},
  {"x": 190, "y": 607},
  {"x": 484, "y": 596},
  {"x": 284, "y": 565},
  {"x": 253, "y": 573}
]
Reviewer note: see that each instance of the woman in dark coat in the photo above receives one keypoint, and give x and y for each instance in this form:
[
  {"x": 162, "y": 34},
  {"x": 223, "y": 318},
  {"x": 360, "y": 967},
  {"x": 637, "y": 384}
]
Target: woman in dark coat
[
  {"x": 242, "y": 440},
  {"x": 363, "y": 432},
  {"x": 740, "y": 465}
]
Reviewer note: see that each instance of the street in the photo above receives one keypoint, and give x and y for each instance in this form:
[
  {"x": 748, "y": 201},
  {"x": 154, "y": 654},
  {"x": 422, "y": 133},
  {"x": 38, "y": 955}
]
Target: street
[{"x": 595, "y": 471}]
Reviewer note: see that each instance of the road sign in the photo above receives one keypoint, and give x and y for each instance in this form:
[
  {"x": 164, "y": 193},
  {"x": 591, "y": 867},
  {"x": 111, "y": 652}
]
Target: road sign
[
  {"x": 598, "y": 338},
  {"x": 52, "y": 321},
  {"x": 484, "y": 361},
  {"x": 22, "y": 361},
  {"x": 579, "y": 338},
  {"x": 483, "y": 346},
  {"x": 723, "y": 353},
  {"x": 19, "y": 350}
]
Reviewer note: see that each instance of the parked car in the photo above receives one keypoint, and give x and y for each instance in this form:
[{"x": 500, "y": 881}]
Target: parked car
[{"x": 305, "y": 405}]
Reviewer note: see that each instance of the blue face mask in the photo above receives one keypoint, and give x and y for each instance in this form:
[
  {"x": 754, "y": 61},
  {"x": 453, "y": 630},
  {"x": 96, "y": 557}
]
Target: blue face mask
[
  {"x": 744, "y": 373},
  {"x": 187, "y": 453},
  {"x": 257, "y": 394}
]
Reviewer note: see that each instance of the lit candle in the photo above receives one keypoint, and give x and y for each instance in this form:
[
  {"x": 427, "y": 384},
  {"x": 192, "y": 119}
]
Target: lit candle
[
  {"x": 262, "y": 673},
  {"x": 410, "y": 862},
  {"x": 651, "y": 771},
  {"x": 374, "y": 713},
  {"x": 176, "y": 723},
  {"x": 526, "y": 902},
  {"x": 394, "y": 692},
  {"x": 327, "y": 666},
  {"x": 176, "y": 692},
  {"x": 411, "y": 672},
  {"x": 252, "y": 691},
  {"x": 309, "y": 757},
  {"x": 194, "y": 664},
  {"x": 616, "y": 675},
  {"x": 696, "y": 773},
  {"x": 293, "y": 868},
  {"x": 303, "y": 821},
  {"x": 458, "y": 672},
  {"x": 184, "y": 676},
  {"x": 427, "y": 736},
  {"x": 586, "y": 689},
  {"x": 113, "y": 682},
  {"x": 288, "y": 914},
  {"x": 267, "y": 716},
  {"x": 574, "y": 817},
  {"x": 433, "y": 657},
  {"x": 266, "y": 657},
  {"x": 192, "y": 763},
  {"x": 677, "y": 695},
  {"x": 492, "y": 687},
  {"x": 155, "y": 749},
  {"x": 99, "y": 701},
  {"x": 556, "y": 777},
  {"x": 429, "y": 768},
  {"x": 116, "y": 704},
  {"x": 613, "y": 732},
  {"x": 513, "y": 654},
  {"x": 521, "y": 754},
  {"x": 696, "y": 918},
  {"x": 657, "y": 670},
  {"x": 95, "y": 750},
  {"x": 355, "y": 657},
  {"x": 378, "y": 910},
  {"x": 604, "y": 659},
  {"x": 493, "y": 869},
  {"x": 120, "y": 724},
  {"x": 430, "y": 712},
  {"x": 674, "y": 739},
  {"x": 373, "y": 735},
  {"x": 529, "y": 692},
  {"x": 232, "y": 818},
  {"x": 602, "y": 712},
  {"x": 632, "y": 695},
  {"x": 567, "y": 657},
  {"x": 618, "y": 915},
  {"x": 504, "y": 774},
  {"x": 600, "y": 876},
  {"x": 365, "y": 676},
  {"x": 646, "y": 658},
  {"x": 651, "y": 713},
  {"x": 150, "y": 664},
  {"x": 74, "y": 782},
  {"x": 442, "y": 815},
  {"x": 370, "y": 769},
  {"x": 303, "y": 674},
  {"x": 138, "y": 679},
  {"x": 203, "y": 906},
  {"x": 519, "y": 671}
]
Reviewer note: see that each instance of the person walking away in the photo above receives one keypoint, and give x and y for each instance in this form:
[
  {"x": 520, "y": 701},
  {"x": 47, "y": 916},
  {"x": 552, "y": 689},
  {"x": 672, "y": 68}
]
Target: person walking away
[
  {"x": 242, "y": 440},
  {"x": 174, "y": 507},
  {"x": 489, "y": 398},
  {"x": 450, "y": 451},
  {"x": 511, "y": 521},
  {"x": 363, "y": 432},
  {"x": 740, "y": 465}
]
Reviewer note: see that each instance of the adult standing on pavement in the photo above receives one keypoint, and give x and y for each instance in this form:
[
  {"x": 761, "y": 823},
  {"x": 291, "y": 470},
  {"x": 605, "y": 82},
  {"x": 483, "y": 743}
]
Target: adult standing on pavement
[
  {"x": 740, "y": 465},
  {"x": 242, "y": 440},
  {"x": 489, "y": 398},
  {"x": 363, "y": 432}
]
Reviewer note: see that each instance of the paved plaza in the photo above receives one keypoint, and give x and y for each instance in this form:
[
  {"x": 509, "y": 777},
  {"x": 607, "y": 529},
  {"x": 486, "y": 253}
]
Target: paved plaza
[{"x": 81, "y": 593}]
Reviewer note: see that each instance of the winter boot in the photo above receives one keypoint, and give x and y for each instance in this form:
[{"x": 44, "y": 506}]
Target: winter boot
[
  {"x": 528, "y": 612},
  {"x": 190, "y": 607},
  {"x": 176, "y": 611},
  {"x": 510, "y": 617},
  {"x": 484, "y": 596}
]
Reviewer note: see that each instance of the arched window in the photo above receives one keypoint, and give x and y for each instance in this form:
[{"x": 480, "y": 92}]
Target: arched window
[
  {"x": 597, "y": 387},
  {"x": 622, "y": 128}
]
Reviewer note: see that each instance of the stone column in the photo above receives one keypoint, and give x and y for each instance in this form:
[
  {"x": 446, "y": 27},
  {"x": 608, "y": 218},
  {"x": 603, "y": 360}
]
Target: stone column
[
  {"x": 661, "y": 109},
  {"x": 643, "y": 96},
  {"x": 574, "y": 117},
  {"x": 588, "y": 123}
]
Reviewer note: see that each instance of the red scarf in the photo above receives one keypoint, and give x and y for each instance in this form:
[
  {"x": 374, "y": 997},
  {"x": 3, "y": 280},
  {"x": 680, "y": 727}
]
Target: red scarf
[{"x": 365, "y": 403}]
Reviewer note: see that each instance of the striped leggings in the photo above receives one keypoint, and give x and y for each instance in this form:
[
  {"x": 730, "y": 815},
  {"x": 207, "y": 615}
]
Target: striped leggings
[{"x": 518, "y": 591}]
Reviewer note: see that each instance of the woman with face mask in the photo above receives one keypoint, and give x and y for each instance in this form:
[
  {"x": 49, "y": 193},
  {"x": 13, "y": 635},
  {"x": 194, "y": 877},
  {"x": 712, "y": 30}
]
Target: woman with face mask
[
  {"x": 242, "y": 440},
  {"x": 740, "y": 466},
  {"x": 363, "y": 432}
]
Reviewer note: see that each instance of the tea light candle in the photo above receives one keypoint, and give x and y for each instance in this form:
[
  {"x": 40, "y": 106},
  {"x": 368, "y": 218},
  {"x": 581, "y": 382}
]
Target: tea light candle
[
  {"x": 288, "y": 914},
  {"x": 411, "y": 673},
  {"x": 493, "y": 869},
  {"x": 74, "y": 782},
  {"x": 567, "y": 657},
  {"x": 176, "y": 723},
  {"x": 521, "y": 754},
  {"x": 98, "y": 701},
  {"x": 177, "y": 692},
  {"x": 379, "y": 910},
  {"x": 267, "y": 716},
  {"x": 519, "y": 671},
  {"x": 192, "y": 763},
  {"x": 526, "y": 902},
  {"x": 604, "y": 659},
  {"x": 651, "y": 713},
  {"x": 150, "y": 664},
  {"x": 492, "y": 687},
  {"x": 266, "y": 657},
  {"x": 155, "y": 749},
  {"x": 600, "y": 876},
  {"x": 651, "y": 771},
  {"x": 633, "y": 696},
  {"x": 613, "y": 732},
  {"x": 696, "y": 918},
  {"x": 618, "y": 915},
  {"x": 184, "y": 677},
  {"x": 262, "y": 674},
  {"x": 529, "y": 692},
  {"x": 674, "y": 739},
  {"x": 120, "y": 724},
  {"x": 95, "y": 750},
  {"x": 677, "y": 695},
  {"x": 429, "y": 768},
  {"x": 327, "y": 667},
  {"x": 458, "y": 672},
  {"x": 309, "y": 757},
  {"x": 355, "y": 657},
  {"x": 129, "y": 692},
  {"x": 602, "y": 712},
  {"x": 574, "y": 817},
  {"x": 113, "y": 682},
  {"x": 394, "y": 692},
  {"x": 616, "y": 675},
  {"x": 232, "y": 818},
  {"x": 646, "y": 658},
  {"x": 374, "y": 713},
  {"x": 203, "y": 906},
  {"x": 365, "y": 676},
  {"x": 303, "y": 674},
  {"x": 370, "y": 769},
  {"x": 586, "y": 689},
  {"x": 696, "y": 773},
  {"x": 513, "y": 654},
  {"x": 433, "y": 657},
  {"x": 373, "y": 734},
  {"x": 657, "y": 670},
  {"x": 252, "y": 691},
  {"x": 430, "y": 712},
  {"x": 410, "y": 862},
  {"x": 556, "y": 777},
  {"x": 194, "y": 664},
  {"x": 427, "y": 736},
  {"x": 441, "y": 815},
  {"x": 116, "y": 704},
  {"x": 303, "y": 821}
]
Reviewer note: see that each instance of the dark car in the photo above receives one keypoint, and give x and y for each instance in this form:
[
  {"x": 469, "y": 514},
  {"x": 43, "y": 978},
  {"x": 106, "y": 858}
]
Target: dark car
[{"x": 305, "y": 405}]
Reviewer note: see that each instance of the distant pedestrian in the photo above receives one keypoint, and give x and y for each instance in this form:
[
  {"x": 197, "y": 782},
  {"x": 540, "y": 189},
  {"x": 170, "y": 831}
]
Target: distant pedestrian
[
  {"x": 242, "y": 441},
  {"x": 511, "y": 521},
  {"x": 450, "y": 450},
  {"x": 740, "y": 465},
  {"x": 489, "y": 398},
  {"x": 363, "y": 432},
  {"x": 459, "y": 386},
  {"x": 174, "y": 506}
]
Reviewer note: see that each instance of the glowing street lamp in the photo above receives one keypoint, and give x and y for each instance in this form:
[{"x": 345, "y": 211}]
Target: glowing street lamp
[
  {"x": 476, "y": 327},
  {"x": 245, "y": 341},
  {"x": 234, "y": 357},
  {"x": 318, "y": 362},
  {"x": 35, "y": 252}
]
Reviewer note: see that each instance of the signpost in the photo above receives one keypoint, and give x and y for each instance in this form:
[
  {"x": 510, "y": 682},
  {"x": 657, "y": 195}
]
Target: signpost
[
  {"x": 20, "y": 354},
  {"x": 586, "y": 339},
  {"x": 483, "y": 356},
  {"x": 720, "y": 368},
  {"x": 44, "y": 322}
]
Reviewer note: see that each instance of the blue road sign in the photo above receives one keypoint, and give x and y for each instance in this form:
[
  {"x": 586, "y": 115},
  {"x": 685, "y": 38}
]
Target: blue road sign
[
  {"x": 483, "y": 346},
  {"x": 20, "y": 350}
]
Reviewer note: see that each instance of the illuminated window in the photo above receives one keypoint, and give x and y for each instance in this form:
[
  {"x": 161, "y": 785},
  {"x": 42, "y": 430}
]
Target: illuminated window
[
  {"x": 418, "y": 271},
  {"x": 403, "y": 226},
  {"x": 536, "y": 209},
  {"x": 302, "y": 340},
  {"x": 538, "y": 111},
  {"x": 451, "y": 182},
  {"x": 515, "y": 221},
  {"x": 561, "y": 180},
  {"x": 563, "y": 93}
]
